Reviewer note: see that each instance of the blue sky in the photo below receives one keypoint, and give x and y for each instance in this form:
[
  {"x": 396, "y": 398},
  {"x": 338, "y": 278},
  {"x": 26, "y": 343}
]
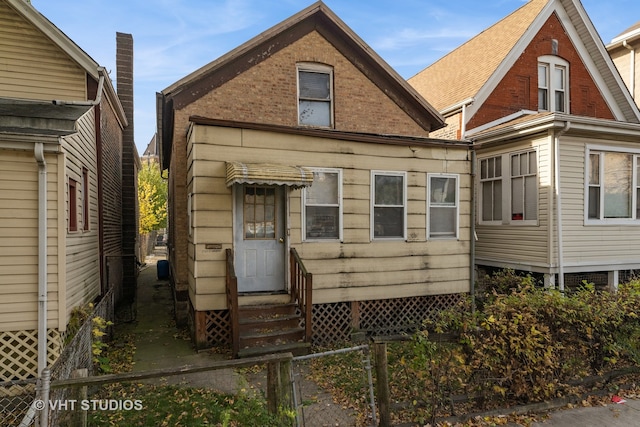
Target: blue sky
[{"x": 172, "y": 38}]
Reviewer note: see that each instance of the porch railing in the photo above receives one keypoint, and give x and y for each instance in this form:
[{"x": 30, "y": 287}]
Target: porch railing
[
  {"x": 232, "y": 303},
  {"x": 301, "y": 288}
]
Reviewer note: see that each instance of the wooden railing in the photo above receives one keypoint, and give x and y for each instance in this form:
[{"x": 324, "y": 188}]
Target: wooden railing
[
  {"x": 301, "y": 288},
  {"x": 232, "y": 303}
]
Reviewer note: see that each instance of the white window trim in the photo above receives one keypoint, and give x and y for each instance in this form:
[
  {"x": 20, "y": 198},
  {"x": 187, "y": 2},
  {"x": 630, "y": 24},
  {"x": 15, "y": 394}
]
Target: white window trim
[
  {"x": 635, "y": 182},
  {"x": 372, "y": 181},
  {"x": 506, "y": 190},
  {"x": 509, "y": 179},
  {"x": 480, "y": 193},
  {"x": 340, "y": 208},
  {"x": 457, "y": 205},
  {"x": 552, "y": 62},
  {"x": 315, "y": 68}
]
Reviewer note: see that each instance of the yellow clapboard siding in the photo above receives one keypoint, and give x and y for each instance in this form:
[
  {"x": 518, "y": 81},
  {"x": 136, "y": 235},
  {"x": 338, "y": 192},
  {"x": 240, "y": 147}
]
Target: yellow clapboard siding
[{"x": 46, "y": 73}]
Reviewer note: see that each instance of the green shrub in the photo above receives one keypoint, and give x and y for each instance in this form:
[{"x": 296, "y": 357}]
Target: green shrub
[{"x": 527, "y": 343}]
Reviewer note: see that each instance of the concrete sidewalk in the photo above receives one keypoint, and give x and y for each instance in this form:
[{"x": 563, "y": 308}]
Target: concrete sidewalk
[{"x": 612, "y": 415}]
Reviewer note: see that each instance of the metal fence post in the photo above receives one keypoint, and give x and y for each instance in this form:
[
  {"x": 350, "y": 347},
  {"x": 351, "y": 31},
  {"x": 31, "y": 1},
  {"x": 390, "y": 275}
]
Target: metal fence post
[{"x": 43, "y": 391}]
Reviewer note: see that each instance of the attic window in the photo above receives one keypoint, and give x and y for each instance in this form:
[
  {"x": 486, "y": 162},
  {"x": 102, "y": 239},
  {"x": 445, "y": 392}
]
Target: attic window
[
  {"x": 315, "y": 95},
  {"x": 553, "y": 75}
]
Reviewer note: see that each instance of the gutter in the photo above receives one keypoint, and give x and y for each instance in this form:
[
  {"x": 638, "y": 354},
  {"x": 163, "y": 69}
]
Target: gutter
[
  {"x": 102, "y": 73},
  {"x": 38, "y": 153},
  {"x": 558, "y": 194}
]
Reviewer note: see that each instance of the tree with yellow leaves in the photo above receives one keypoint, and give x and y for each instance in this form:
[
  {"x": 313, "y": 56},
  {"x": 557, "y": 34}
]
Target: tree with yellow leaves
[{"x": 152, "y": 197}]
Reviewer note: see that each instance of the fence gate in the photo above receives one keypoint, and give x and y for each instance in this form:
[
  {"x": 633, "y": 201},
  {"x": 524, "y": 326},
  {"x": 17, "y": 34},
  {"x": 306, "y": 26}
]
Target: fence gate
[{"x": 315, "y": 406}]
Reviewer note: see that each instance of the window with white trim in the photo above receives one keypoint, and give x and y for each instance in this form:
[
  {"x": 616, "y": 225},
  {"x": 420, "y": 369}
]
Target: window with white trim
[
  {"x": 443, "y": 206},
  {"x": 315, "y": 95},
  {"x": 508, "y": 189},
  {"x": 389, "y": 201},
  {"x": 491, "y": 189},
  {"x": 612, "y": 186},
  {"x": 524, "y": 186},
  {"x": 322, "y": 206},
  {"x": 553, "y": 75}
]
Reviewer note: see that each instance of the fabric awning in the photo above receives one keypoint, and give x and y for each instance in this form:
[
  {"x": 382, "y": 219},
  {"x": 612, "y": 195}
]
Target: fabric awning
[{"x": 268, "y": 174}]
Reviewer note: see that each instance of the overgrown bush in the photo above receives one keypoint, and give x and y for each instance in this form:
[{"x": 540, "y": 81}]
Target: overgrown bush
[{"x": 525, "y": 343}]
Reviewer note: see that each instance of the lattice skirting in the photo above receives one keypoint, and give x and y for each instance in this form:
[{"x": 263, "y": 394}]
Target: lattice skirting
[
  {"x": 334, "y": 322},
  {"x": 19, "y": 350}
]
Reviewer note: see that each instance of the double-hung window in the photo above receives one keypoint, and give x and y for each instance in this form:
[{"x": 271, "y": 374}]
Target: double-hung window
[
  {"x": 389, "y": 200},
  {"x": 85, "y": 199},
  {"x": 524, "y": 186},
  {"x": 553, "y": 78},
  {"x": 612, "y": 186},
  {"x": 443, "y": 206},
  {"x": 322, "y": 210},
  {"x": 508, "y": 189},
  {"x": 315, "y": 95},
  {"x": 491, "y": 189},
  {"x": 73, "y": 205}
]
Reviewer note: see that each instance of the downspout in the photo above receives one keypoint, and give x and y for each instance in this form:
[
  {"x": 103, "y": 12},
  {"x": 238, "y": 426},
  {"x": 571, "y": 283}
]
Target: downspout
[
  {"x": 38, "y": 152},
  {"x": 632, "y": 68},
  {"x": 472, "y": 238},
  {"x": 556, "y": 172}
]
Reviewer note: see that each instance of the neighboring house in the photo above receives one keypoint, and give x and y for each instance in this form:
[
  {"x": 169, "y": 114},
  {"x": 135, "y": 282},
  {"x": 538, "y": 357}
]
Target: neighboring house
[
  {"x": 67, "y": 187},
  {"x": 558, "y": 144},
  {"x": 304, "y": 141},
  {"x": 151, "y": 153},
  {"x": 625, "y": 52}
]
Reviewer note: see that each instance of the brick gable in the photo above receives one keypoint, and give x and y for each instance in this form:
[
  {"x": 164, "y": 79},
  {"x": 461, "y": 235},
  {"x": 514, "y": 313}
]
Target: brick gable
[
  {"x": 518, "y": 90},
  {"x": 267, "y": 93}
]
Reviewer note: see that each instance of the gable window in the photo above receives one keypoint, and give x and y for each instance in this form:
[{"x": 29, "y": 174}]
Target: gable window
[
  {"x": 524, "y": 186},
  {"x": 315, "y": 95},
  {"x": 443, "y": 206},
  {"x": 389, "y": 197},
  {"x": 322, "y": 210},
  {"x": 73, "y": 205},
  {"x": 491, "y": 189},
  {"x": 612, "y": 186},
  {"x": 553, "y": 84}
]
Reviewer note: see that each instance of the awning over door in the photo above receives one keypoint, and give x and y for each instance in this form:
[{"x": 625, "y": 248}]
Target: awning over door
[{"x": 268, "y": 174}]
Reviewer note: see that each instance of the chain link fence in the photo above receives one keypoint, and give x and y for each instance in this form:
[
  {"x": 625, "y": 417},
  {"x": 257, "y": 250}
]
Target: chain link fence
[
  {"x": 316, "y": 405},
  {"x": 17, "y": 397}
]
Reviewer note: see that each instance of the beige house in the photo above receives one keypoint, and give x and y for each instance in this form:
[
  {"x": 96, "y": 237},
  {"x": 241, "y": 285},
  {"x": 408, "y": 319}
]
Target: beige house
[
  {"x": 62, "y": 152},
  {"x": 557, "y": 138},
  {"x": 302, "y": 150},
  {"x": 624, "y": 50}
]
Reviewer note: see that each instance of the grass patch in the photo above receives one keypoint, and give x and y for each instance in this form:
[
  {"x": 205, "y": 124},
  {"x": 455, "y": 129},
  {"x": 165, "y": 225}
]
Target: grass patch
[{"x": 183, "y": 406}]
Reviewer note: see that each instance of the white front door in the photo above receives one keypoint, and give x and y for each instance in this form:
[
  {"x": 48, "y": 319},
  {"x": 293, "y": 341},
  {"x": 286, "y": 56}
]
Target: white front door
[{"x": 259, "y": 234}]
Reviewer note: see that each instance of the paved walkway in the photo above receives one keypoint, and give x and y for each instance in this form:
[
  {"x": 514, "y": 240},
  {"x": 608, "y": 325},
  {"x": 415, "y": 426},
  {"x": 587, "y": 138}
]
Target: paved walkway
[{"x": 159, "y": 344}]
